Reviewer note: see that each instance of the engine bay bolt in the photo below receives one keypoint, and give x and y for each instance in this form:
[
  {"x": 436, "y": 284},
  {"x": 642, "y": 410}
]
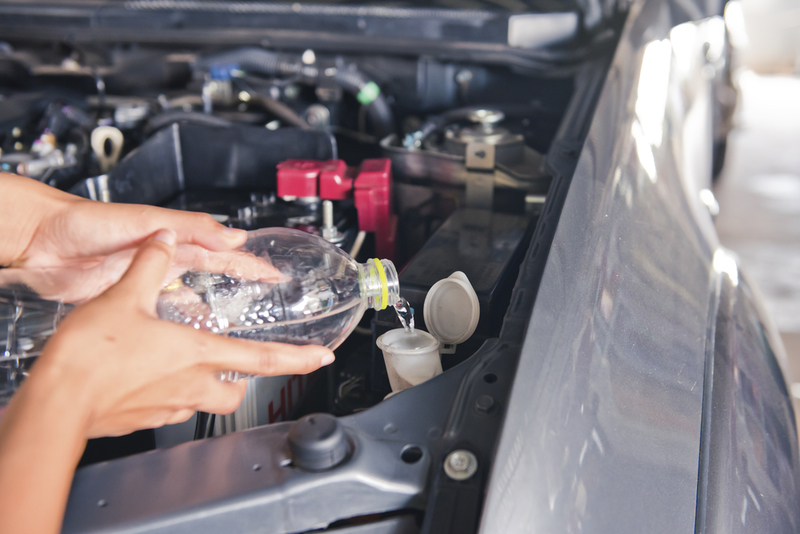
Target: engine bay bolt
[
  {"x": 463, "y": 77},
  {"x": 318, "y": 116},
  {"x": 329, "y": 231},
  {"x": 460, "y": 464},
  {"x": 291, "y": 92},
  {"x": 484, "y": 404},
  {"x": 308, "y": 57}
]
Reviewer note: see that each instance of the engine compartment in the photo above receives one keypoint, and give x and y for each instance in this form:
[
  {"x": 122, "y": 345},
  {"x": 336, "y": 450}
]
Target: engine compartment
[{"x": 437, "y": 165}]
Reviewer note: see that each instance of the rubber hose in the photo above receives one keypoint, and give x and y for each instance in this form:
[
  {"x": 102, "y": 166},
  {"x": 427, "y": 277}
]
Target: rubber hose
[
  {"x": 169, "y": 117},
  {"x": 378, "y": 111},
  {"x": 255, "y": 60},
  {"x": 264, "y": 62},
  {"x": 281, "y": 111}
]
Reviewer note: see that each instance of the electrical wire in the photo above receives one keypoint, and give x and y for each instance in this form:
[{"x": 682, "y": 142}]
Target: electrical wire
[{"x": 356, "y": 248}]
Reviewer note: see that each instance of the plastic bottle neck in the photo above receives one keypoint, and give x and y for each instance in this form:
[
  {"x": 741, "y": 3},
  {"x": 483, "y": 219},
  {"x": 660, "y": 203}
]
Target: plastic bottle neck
[{"x": 379, "y": 284}]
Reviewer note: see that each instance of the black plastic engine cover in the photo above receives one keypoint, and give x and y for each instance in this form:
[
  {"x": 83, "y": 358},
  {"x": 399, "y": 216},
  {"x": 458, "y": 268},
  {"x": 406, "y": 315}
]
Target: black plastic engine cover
[
  {"x": 488, "y": 247},
  {"x": 189, "y": 156}
]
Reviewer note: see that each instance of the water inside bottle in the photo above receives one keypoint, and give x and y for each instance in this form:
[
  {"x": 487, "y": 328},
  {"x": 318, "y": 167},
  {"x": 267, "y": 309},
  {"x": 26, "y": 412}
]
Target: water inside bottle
[{"x": 406, "y": 314}]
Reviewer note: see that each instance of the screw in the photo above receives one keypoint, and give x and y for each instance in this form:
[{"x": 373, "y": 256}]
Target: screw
[
  {"x": 460, "y": 464},
  {"x": 459, "y": 461}
]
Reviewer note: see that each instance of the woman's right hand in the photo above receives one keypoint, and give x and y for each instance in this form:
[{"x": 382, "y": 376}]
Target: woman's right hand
[{"x": 130, "y": 370}]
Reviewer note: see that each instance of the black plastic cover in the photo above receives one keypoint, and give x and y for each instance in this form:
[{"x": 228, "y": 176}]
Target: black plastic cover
[
  {"x": 483, "y": 245},
  {"x": 189, "y": 156},
  {"x": 488, "y": 247}
]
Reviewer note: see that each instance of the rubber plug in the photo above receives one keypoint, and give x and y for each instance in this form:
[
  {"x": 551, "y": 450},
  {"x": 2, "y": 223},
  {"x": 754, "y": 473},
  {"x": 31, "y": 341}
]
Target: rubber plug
[{"x": 317, "y": 442}]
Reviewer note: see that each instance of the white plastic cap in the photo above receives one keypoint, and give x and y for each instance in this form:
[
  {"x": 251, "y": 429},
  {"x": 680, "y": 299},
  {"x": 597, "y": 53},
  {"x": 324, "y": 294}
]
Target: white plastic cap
[{"x": 452, "y": 311}]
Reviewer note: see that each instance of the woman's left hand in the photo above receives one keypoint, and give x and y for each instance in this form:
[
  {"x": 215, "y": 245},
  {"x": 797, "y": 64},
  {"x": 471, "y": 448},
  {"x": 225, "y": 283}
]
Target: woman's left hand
[{"x": 72, "y": 249}]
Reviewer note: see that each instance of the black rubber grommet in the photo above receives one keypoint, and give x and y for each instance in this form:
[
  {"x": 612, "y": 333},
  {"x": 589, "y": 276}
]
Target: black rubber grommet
[{"x": 317, "y": 442}]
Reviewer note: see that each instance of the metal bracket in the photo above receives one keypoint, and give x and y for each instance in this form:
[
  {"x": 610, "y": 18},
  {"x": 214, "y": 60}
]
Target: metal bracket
[
  {"x": 480, "y": 190},
  {"x": 480, "y": 156}
]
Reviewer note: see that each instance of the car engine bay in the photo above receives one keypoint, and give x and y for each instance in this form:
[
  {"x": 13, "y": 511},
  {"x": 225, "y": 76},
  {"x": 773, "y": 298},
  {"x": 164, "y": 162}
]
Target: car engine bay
[
  {"x": 257, "y": 139},
  {"x": 440, "y": 162}
]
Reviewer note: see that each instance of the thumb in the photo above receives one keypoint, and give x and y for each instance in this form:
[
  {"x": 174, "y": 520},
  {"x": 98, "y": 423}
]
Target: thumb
[{"x": 141, "y": 283}]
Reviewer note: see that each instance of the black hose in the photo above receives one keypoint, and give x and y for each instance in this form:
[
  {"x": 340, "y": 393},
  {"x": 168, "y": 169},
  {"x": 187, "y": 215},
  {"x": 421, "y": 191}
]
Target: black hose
[
  {"x": 200, "y": 425},
  {"x": 266, "y": 63},
  {"x": 169, "y": 117},
  {"x": 280, "y": 110},
  {"x": 212, "y": 419},
  {"x": 254, "y": 60},
  {"x": 378, "y": 110}
]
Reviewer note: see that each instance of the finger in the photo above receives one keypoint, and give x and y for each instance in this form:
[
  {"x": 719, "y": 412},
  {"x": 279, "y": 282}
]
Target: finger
[
  {"x": 222, "y": 397},
  {"x": 129, "y": 225},
  {"x": 141, "y": 283},
  {"x": 196, "y": 228},
  {"x": 254, "y": 357},
  {"x": 234, "y": 263}
]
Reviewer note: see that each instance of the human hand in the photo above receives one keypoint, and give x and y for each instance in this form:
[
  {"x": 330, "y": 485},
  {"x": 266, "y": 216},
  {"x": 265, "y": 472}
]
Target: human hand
[
  {"x": 130, "y": 370},
  {"x": 72, "y": 249},
  {"x": 77, "y": 282}
]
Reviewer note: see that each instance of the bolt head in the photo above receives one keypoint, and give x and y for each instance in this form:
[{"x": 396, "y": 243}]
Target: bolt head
[
  {"x": 460, "y": 465},
  {"x": 484, "y": 404},
  {"x": 459, "y": 461}
]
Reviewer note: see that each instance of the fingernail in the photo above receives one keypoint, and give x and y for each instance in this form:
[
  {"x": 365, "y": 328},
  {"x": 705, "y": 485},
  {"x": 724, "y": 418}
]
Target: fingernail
[
  {"x": 232, "y": 232},
  {"x": 166, "y": 236},
  {"x": 327, "y": 359}
]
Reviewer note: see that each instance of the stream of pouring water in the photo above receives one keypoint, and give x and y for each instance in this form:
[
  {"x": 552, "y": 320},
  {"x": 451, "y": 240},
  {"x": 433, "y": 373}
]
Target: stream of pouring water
[{"x": 406, "y": 314}]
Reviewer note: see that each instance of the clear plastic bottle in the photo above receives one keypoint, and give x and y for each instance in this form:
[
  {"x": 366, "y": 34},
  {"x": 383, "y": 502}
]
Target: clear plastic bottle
[
  {"x": 26, "y": 323},
  {"x": 307, "y": 291}
]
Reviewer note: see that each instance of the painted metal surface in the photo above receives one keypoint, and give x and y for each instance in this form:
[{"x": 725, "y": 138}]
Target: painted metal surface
[
  {"x": 749, "y": 469},
  {"x": 603, "y": 428},
  {"x": 245, "y": 482}
]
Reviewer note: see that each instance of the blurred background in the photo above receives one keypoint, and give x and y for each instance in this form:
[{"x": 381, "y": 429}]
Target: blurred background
[{"x": 759, "y": 188}]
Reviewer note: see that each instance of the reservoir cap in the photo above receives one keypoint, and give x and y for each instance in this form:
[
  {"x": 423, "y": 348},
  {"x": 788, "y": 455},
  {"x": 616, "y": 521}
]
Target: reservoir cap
[{"x": 451, "y": 311}]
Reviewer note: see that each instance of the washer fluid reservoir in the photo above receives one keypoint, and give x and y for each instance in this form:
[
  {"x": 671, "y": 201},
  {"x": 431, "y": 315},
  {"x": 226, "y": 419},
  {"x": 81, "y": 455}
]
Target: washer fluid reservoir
[{"x": 451, "y": 312}]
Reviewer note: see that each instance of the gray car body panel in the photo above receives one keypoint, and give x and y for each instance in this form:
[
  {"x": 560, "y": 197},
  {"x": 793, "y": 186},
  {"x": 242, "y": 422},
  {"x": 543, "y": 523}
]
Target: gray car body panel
[
  {"x": 749, "y": 465},
  {"x": 603, "y": 431}
]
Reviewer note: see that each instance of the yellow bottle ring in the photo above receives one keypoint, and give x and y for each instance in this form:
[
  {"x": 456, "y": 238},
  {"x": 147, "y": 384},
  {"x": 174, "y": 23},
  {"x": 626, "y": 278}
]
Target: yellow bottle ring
[{"x": 384, "y": 283}]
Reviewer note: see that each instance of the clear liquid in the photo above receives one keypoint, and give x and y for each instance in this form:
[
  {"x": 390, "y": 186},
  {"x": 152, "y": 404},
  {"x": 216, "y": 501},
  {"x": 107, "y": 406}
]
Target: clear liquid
[
  {"x": 302, "y": 311},
  {"x": 406, "y": 314},
  {"x": 412, "y": 342}
]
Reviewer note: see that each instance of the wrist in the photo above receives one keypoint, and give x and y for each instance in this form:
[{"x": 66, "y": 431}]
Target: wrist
[{"x": 54, "y": 392}]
